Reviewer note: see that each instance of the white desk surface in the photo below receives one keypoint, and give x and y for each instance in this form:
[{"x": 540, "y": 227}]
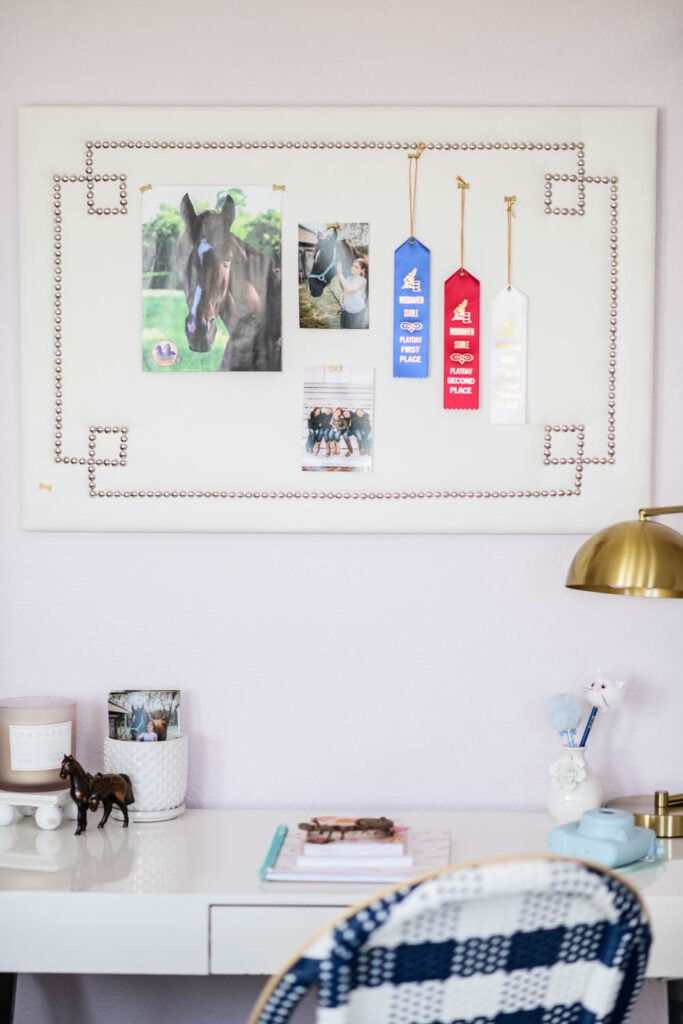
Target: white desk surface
[{"x": 184, "y": 896}]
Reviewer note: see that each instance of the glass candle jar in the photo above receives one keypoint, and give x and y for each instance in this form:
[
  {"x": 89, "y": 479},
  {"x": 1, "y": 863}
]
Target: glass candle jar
[{"x": 35, "y": 734}]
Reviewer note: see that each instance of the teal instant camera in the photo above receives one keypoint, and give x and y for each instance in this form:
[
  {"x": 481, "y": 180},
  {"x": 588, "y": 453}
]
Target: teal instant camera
[{"x": 607, "y": 836}]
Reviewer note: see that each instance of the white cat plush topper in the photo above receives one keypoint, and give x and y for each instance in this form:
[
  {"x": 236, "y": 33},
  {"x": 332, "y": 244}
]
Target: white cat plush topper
[{"x": 604, "y": 693}]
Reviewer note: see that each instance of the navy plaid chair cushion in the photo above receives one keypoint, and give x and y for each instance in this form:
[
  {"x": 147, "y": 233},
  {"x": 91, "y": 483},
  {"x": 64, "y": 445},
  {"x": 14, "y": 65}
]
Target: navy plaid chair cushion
[{"x": 538, "y": 940}]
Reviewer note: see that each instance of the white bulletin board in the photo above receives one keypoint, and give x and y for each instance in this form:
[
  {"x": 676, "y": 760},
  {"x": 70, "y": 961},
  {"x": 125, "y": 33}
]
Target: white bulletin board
[{"x": 108, "y": 446}]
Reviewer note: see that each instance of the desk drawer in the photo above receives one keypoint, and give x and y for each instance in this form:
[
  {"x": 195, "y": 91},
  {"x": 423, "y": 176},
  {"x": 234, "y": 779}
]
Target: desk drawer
[{"x": 258, "y": 940}]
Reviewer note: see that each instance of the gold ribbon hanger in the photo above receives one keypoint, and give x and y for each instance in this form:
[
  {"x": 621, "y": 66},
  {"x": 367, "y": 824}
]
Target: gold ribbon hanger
[
  {"x": 510, "y": 206},
  {"x": 463, "y": 186},
  {"x": 413, "y": 159}
]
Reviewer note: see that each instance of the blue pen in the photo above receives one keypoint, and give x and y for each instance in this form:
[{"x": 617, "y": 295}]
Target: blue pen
[
  {"x": 589, "y": 726},
  {"x": 273, "y": 851}
]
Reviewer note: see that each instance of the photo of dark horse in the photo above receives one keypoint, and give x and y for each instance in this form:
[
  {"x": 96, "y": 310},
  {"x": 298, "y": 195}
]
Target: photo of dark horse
[{"x": 224, "y": 277}]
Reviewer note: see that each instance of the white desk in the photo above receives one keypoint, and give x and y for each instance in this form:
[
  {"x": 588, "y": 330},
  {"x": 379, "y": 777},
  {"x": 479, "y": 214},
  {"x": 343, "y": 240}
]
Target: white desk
[{"x": 184, "y": 897}]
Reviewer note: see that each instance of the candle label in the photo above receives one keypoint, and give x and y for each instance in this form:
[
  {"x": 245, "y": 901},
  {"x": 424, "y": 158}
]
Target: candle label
[{"x": 38, "y": 748}]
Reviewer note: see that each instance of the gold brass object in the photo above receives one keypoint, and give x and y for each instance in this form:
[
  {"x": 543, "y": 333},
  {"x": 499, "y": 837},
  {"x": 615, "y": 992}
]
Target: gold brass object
[
  {"x": 636, "y": 558},
  {"x": 662, "y": 813}
]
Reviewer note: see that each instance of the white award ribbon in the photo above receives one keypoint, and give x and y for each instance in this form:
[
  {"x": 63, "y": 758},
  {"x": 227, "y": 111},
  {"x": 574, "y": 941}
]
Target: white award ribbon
[{"x": 508, "y": 357}]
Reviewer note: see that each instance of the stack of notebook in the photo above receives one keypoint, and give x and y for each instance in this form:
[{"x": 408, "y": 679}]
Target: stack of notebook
[
  {"x": 357, "y": 857},
  {"x": 356, "y": 850}
]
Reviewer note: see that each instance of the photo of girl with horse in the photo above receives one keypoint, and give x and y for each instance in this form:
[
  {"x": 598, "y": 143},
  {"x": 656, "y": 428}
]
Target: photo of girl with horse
[
  {"x": 334, "y": 275},
  {"x": 144, "y": 715}
]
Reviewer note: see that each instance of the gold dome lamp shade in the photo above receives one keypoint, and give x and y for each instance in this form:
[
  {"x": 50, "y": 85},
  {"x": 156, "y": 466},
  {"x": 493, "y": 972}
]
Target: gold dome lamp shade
[{"x": 638, "y": 558}]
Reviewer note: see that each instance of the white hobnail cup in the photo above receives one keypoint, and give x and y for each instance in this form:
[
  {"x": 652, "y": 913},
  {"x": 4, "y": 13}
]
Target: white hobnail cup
[{"x": 158, "y": 772}]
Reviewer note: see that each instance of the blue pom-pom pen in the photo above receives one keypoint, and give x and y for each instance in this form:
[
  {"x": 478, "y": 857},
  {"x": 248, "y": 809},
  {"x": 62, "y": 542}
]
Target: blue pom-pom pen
[
  {"x": 563, "y": 712},
  {"x": 589, "y": 726}
]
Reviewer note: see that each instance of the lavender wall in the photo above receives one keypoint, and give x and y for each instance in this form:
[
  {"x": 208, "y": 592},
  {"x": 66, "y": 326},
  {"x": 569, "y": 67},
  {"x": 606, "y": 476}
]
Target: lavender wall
[{"x": 276, "y": 638}]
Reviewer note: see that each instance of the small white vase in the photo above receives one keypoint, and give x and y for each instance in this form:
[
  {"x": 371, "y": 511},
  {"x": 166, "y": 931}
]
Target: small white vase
[{"x": 573, "y": 787}]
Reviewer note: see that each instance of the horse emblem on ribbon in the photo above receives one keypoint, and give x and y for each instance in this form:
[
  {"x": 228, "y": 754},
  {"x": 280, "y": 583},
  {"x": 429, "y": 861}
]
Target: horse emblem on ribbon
[
  {"x": 460, "y": 313},
  {"x": 410, "y": 282}
]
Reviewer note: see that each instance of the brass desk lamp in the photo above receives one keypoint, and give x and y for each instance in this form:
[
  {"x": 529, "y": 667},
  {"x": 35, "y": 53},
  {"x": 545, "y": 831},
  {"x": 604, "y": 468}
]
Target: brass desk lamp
[{"x": 639, "y": 559}]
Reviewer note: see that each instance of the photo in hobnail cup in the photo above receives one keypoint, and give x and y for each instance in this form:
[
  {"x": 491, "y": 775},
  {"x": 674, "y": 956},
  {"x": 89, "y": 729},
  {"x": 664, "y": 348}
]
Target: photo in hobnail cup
[{"x": 144, "y": 716}]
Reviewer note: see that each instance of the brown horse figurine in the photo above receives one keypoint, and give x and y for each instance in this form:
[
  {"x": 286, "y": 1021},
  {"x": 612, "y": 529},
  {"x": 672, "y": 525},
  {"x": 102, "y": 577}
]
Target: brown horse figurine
[
  {"x": 79, "y": 788},
  {"x": 110, "y": 790}
]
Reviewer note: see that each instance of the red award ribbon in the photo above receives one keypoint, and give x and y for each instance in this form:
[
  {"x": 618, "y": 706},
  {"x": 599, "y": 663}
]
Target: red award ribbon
[
  {"x": 461, "y": 329},
  {"x": 461, "y": 342}
]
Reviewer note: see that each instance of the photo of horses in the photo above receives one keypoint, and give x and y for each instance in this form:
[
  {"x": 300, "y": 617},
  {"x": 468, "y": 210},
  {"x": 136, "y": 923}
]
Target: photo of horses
[
  {"x": 338, "y": 419},
  {"x": 144, "y": 716},
  {"x": 334, "y": 275},
  {"x": 211, "y": 278}
]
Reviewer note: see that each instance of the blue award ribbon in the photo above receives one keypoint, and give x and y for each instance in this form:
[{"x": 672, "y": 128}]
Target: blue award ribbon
[{"x": 411, "y": 309}]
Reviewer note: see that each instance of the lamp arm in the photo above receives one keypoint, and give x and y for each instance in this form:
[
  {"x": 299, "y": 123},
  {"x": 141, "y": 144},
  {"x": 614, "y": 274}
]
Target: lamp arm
[
  {"x": 663, "y": 510},
  {"x": 663, "y": 800}
]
